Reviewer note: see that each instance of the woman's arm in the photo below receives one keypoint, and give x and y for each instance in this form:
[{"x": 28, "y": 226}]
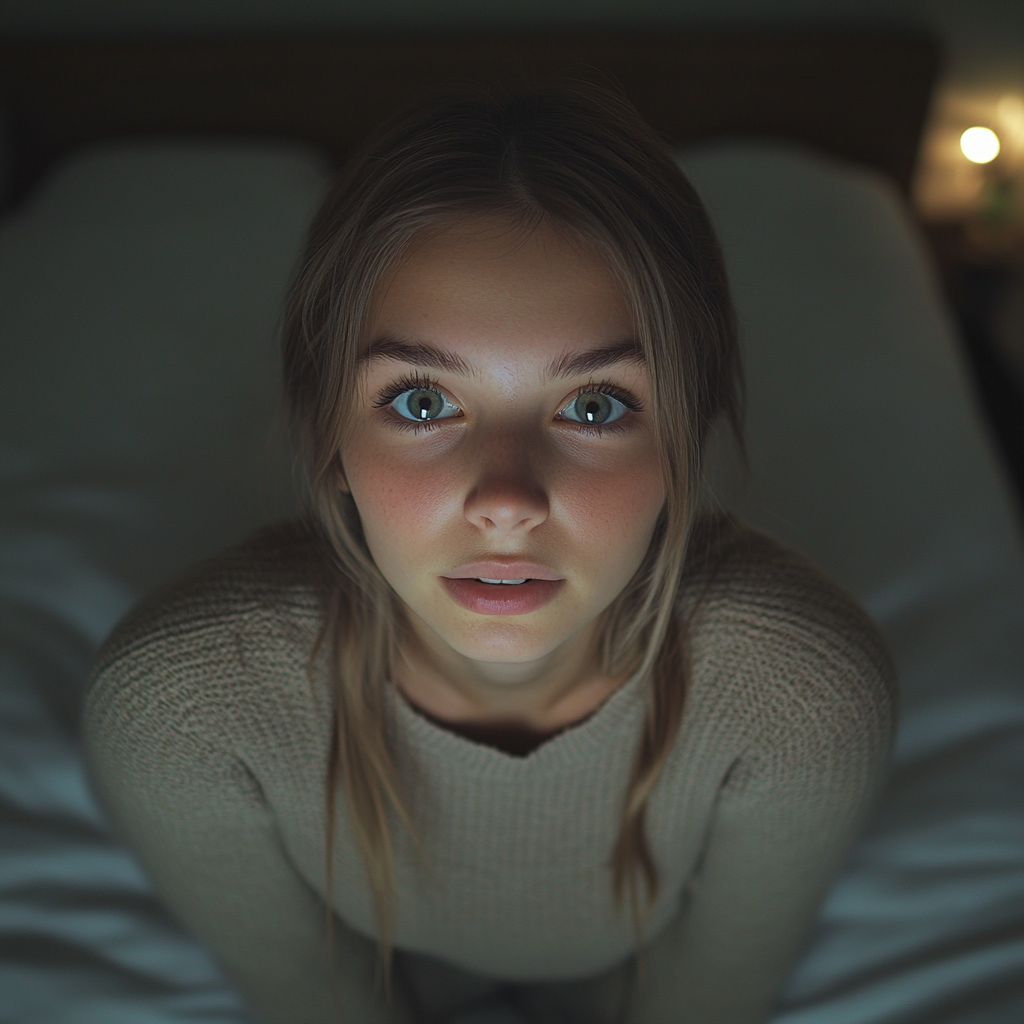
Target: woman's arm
[
  {"x": 196, "y": 820},
  {"x": 785, "y": 820}
]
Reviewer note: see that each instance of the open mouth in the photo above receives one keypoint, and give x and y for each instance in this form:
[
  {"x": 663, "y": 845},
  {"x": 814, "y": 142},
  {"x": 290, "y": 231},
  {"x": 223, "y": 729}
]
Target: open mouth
[{"x": 481, "y": 579}]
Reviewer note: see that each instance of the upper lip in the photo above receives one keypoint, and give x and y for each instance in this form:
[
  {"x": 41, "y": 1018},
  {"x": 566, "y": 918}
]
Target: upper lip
[{"x": 494, "y": 570}]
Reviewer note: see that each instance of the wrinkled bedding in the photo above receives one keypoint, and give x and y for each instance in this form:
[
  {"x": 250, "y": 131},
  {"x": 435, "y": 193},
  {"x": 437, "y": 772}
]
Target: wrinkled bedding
[{"x": 139, "y": 431}]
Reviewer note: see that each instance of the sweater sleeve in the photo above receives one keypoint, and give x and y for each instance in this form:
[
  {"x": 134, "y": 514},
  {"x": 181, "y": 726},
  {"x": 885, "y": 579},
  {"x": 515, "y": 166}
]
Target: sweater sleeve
[
  {"x": 161, "y": 760},
  {"x": 820, "y": 698}
]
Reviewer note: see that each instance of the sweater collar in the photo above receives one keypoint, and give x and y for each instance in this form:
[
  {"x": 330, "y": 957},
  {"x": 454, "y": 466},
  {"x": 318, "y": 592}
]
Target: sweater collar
[{"x": 613, "y": 722}]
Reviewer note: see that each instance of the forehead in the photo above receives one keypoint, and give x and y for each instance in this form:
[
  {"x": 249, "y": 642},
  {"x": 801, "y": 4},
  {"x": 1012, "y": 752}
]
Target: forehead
[{"x": 489, "y": 288}]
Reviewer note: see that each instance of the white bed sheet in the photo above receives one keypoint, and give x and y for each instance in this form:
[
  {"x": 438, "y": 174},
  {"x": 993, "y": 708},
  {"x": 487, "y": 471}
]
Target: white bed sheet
[{"x": 139, "y": 293}]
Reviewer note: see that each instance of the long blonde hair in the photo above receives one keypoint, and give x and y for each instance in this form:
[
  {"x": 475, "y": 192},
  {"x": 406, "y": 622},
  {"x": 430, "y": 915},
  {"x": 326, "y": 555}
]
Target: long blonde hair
[{"x": 580, "y": 157}]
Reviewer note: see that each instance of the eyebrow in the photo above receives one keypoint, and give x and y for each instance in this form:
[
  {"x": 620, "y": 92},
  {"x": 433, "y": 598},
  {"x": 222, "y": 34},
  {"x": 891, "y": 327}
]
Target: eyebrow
[
  {"x": 573, "y": 363},
  {"x": 418, "y": 353}
]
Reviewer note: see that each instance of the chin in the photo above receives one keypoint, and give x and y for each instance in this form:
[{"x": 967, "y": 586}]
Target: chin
[{"x": 504, "y": 643}]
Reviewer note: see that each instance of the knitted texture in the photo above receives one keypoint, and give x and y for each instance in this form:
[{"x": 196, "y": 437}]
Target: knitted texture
[{"x": 207, "y": 739}]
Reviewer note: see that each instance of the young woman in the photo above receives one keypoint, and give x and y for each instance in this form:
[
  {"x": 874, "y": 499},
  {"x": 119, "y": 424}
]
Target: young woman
[{"x": 513, "y": 709}]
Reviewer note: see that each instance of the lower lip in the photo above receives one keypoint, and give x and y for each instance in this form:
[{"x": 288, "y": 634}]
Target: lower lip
[{"x": 501, "y": 598}]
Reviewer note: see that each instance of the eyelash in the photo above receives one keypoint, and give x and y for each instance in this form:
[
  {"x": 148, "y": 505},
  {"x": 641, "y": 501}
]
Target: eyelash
[
  {"x": 388, "y": 394},
  {"x": 412, "y": 383}
]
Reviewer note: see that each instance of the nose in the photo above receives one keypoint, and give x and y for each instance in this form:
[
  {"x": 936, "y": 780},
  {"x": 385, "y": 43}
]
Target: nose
[{"x": 506, "y": 499}]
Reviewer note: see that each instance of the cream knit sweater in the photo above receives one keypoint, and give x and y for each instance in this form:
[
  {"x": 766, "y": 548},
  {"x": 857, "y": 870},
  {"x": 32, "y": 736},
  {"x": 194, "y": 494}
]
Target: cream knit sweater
[{"x": 207, "y": 743}]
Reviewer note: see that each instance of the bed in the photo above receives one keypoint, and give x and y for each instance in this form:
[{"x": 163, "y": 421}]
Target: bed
[{"x": 157, "y": 197}]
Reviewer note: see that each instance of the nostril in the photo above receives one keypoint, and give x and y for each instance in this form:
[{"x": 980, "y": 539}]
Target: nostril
[{"x": 505, "y": 508}]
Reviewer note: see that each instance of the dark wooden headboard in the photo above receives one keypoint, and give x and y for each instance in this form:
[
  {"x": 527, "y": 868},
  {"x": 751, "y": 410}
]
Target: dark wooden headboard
[{"x": 859, "y": 96}]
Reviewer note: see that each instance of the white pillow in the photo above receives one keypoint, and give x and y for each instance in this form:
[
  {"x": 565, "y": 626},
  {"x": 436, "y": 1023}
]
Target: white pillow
[
  {"x": 140, "y": 291},
  {"x": 867, "y": 445}
]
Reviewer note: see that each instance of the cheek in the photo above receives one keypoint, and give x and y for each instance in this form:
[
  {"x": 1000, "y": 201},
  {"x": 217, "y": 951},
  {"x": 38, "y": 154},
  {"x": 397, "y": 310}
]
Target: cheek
[
  {"x": 615, "y": 511},
  {"x": 400, "y": 500}
]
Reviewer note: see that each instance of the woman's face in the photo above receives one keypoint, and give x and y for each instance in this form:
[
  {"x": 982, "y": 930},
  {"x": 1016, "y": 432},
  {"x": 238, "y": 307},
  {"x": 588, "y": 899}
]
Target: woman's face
[{"x": 503, "y": 432}]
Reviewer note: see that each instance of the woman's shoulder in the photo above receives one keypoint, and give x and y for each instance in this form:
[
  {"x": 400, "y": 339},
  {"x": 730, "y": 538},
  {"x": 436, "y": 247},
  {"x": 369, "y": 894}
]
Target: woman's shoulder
[
  {"x": 763, "y": 618},
  {"x": 739, "y": 577},
  {"x": 209, "y": 623}
]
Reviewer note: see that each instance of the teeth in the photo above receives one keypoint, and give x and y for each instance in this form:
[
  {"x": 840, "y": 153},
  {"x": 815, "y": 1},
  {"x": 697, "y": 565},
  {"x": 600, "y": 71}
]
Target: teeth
[{"x": 482, "y": 580}]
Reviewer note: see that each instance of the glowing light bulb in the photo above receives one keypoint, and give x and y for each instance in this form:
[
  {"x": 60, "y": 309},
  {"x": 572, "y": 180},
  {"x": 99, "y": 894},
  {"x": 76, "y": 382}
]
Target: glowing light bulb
[{"x": 979, "y": 145}]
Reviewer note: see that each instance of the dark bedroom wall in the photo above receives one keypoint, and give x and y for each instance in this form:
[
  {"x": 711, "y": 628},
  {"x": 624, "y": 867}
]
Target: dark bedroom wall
[{"x": 984, "y": 39}]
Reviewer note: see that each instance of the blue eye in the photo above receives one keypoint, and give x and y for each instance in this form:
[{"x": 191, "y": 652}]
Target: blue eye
[
  {"x": 422, "y": 405},
  {"x": 595, "y": 408}
]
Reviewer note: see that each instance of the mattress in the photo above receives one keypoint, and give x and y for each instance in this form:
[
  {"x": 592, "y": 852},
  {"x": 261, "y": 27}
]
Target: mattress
[{"x": 140, "y": 290}]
